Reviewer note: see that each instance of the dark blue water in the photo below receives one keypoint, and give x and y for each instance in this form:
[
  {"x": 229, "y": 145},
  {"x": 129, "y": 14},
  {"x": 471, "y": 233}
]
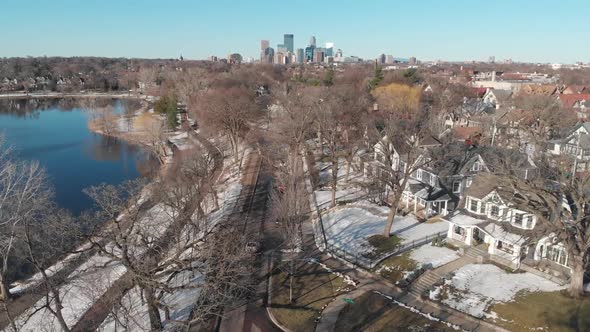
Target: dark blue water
[{"x": 74, "y": 158}]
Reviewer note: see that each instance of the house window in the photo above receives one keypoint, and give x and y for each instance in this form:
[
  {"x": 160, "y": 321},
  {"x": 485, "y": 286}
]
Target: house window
[
  {"x": 468, "y": 182},
  {"x": 476, "y": 166},
  {"x": 495, "y": 211},
  {"x": 518, "y": 219},
  {"x": 419, "y": 174},
  {"x": 457, "y": 187},
  {"x": 529, "y": 221},
  {"x": 425, "y": 177},
  {"x": 482, "y": 208},
  {"x": 473, "y": 204}
]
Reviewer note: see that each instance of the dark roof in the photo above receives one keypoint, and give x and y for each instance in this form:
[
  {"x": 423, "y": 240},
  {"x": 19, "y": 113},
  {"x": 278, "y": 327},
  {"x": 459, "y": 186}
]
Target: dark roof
[
  {"x": 457, "y": 159},
  {"x": 510, "y": 191}
]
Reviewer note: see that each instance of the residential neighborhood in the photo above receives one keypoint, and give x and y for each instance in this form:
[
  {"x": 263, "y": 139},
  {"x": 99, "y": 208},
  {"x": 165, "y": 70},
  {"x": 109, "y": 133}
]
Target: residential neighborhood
[{"x": 268, "y": 166}]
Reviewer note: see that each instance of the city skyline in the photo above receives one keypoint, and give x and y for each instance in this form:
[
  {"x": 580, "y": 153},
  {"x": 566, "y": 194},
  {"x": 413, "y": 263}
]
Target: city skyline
[{"x": 451, "y": 31}]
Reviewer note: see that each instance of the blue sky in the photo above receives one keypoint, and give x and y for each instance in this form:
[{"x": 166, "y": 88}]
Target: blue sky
[{"x": 524, "y": 30}]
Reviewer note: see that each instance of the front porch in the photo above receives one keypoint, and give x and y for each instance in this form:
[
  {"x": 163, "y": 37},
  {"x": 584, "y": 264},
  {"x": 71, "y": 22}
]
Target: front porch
[{"x": 423, "y": 208}]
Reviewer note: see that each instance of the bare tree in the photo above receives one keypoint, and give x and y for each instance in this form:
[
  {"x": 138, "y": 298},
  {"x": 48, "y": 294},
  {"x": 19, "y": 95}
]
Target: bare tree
[
  {"x": 230, "y": 111},
  {"x": 401, "y": 132},
  {"x": 147, "y": 77},
  {"x": 290, "y": 207},
  {"x": 339, "y": 113},
  {"x": 561, "y": 204},
  {"x": 22, "y": 192}
]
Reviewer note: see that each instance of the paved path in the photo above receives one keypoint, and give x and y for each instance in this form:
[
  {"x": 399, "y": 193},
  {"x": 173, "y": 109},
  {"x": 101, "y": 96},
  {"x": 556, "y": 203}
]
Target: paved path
[{"x": 252, "y": 219}]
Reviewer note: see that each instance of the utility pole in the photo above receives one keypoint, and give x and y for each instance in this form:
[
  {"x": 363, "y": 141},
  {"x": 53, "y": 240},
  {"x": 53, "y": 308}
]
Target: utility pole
[
  {"x": 576, "y": 157},
  {"x": 494, "y": 130}
]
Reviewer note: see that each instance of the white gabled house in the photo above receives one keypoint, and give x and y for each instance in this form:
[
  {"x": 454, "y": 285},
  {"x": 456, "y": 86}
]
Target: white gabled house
[
  {"x": 575, "y": 145},
  {"x": 489, "y": 219}
]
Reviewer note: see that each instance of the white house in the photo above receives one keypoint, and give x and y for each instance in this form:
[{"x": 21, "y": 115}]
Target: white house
[
  {"x": 490, "y": 220},
  {"x": 497, "y": 97},
  {"x": 575, "y": 145}
]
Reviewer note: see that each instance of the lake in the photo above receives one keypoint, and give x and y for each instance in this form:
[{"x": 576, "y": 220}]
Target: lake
[{"x": 55, "y": 133}]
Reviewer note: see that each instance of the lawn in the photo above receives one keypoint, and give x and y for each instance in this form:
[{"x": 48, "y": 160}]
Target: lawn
[
  {"x": 382, "y": 244},
  {"x": 543, "y": 311},
  {"x": 373, "y": 312},
  {"x": 312, "y": 289},
  {"x": 393, "y": 268}
]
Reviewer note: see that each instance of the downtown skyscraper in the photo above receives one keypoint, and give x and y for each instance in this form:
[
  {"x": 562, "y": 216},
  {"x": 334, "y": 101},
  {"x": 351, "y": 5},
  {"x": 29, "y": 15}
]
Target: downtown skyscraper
[{"x": 289, "y": 43}]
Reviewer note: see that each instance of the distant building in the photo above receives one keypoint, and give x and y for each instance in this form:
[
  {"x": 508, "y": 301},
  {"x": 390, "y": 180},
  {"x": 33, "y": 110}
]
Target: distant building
[
  {"x": 312, "y": 41},
  {"x": 300, "y": 55},
  {"x": 309, "y": 50},
  {"x": 264, "y": 44},
  {"x": 318, "y": 55},
  {"x": 339, "y": 53},
  {"x": 329, "y": 49},
  {"x": 412, "y": 61},
  {"x": 492, "y": 59},
  {"x": 381, "y": 59},
  {"x": 213, "y": 58},
  {"x": 288, "y": 41},
  {"x": 282, "y": 48},
  {"x": 389, "y": 59},
  {"x": 267, "y": 56}
]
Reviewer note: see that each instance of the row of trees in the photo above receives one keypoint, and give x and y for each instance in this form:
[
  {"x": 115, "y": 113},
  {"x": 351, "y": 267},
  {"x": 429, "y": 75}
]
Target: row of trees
[{"x": 162, "y": 237}]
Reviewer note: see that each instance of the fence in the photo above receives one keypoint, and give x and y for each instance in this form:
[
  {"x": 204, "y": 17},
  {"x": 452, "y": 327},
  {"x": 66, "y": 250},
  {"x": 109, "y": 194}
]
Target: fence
[{"x": 369, "y": 263}]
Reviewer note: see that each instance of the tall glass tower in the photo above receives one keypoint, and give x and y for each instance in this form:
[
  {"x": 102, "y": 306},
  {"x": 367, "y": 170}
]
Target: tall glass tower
[{"x": 288, "y": 42}]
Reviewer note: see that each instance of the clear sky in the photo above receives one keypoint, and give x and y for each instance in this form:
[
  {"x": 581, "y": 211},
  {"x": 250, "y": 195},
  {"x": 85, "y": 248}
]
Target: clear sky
[{"x": 524, "y": 30}]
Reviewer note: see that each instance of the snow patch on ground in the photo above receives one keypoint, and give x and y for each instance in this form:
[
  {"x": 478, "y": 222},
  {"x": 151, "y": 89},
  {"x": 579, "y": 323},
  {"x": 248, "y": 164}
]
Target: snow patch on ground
[
  {"x": 88, "y": 283},
  {"x": 349, "y": 228},
  {"x": 477, "y": 286},
  {"x": 434, "y": 256},
  {"x": 414, "y": 310},
  {"x": 347, "y": 280},
  {"x": 324, "y": 197}
]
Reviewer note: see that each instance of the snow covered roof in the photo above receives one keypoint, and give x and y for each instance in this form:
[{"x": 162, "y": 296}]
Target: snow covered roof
[
  {"x": 498, "y": 233},
  {"x": 465, "y": 220}
]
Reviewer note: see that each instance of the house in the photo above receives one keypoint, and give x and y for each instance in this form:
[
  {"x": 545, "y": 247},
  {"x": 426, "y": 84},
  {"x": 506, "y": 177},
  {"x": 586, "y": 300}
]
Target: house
[
  {"x": 575, "y": 145},
  {"x": 576, "y": 102},
  {"x": 576, "y": 89},
  {"x": 494, "y": 217},
  {"x": 439, "y": 184},
  {"x": 538, "y": 89},
  {"x": 497, "y": 98},
  {"x": 467, "y": 114}
]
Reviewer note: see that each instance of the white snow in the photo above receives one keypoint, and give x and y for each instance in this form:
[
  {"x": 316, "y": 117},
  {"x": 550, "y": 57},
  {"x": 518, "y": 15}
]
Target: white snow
[
  {"x": 324, "y": 197},
  {"x": 465, "y": 220},
  {"x": 349, "y": 228},
  {"x": 480, "y": 285},
  {"x": 88, "y": 282},
  {"x": 133, "y": 316},
  {"x": 435, "y": 256}
]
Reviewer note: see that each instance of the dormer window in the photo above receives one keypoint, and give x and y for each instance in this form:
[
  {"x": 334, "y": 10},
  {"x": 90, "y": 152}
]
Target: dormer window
[
  {"x": 457, "y": 187},
  {"x": 529, "y": 222},
  {"x": 476, "y": 166},
  {"x": 495, "y": 211},
  {"x": 518, "y": 218},
  {"x": 476, "y": 206}
]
